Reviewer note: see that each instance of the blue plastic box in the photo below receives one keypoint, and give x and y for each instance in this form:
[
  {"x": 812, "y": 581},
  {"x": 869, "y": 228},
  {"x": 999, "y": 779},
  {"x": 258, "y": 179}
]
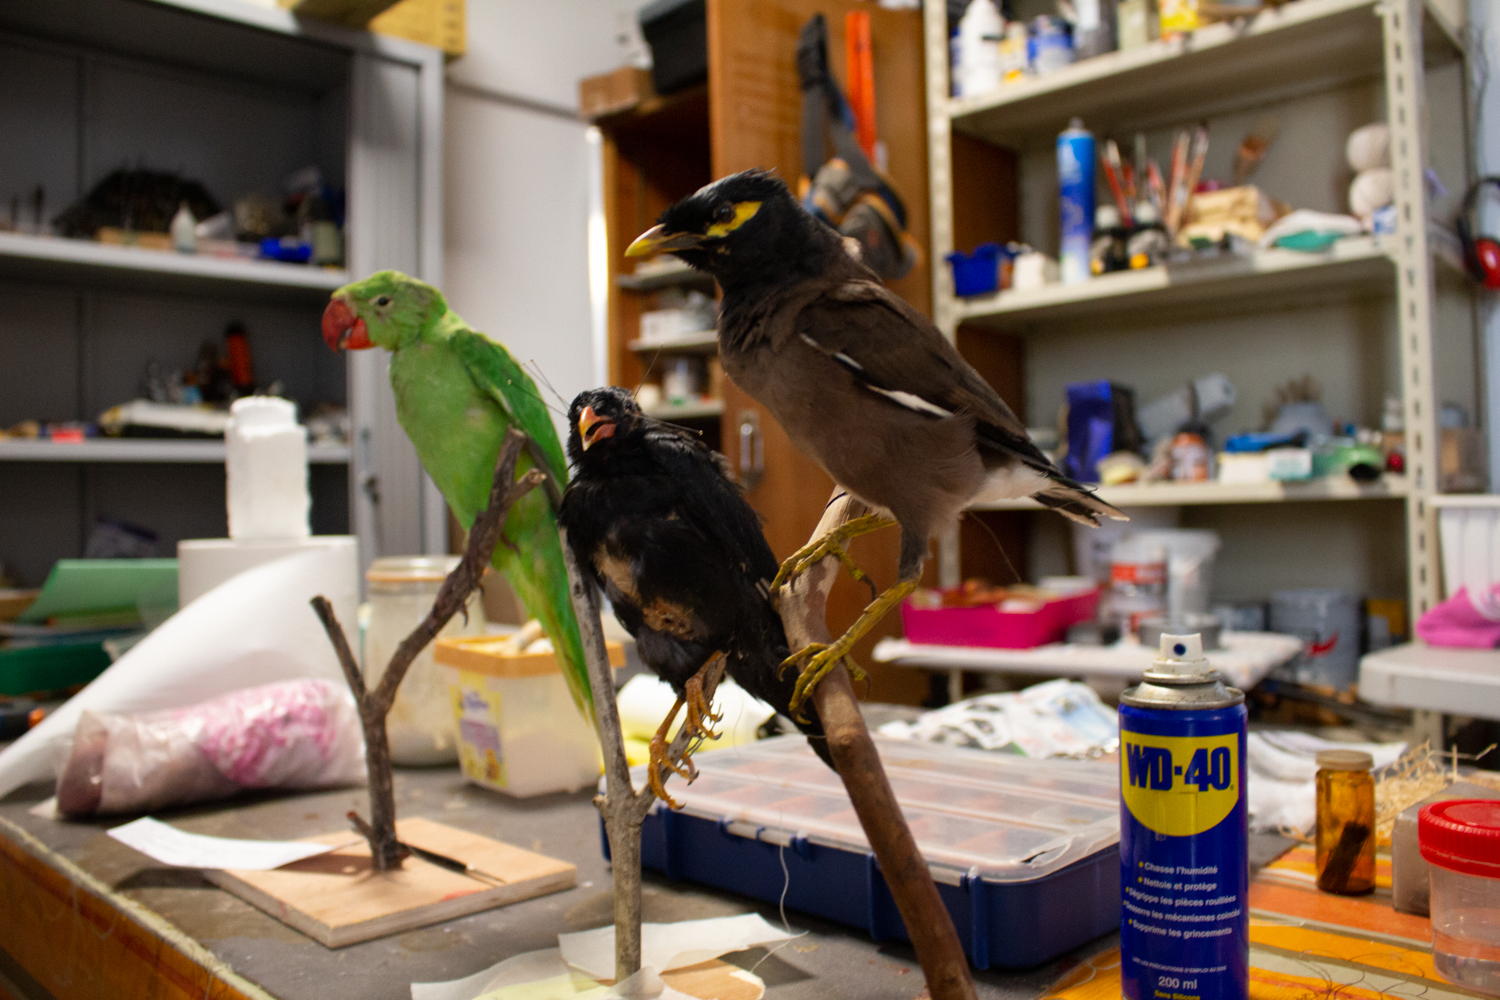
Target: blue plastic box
[{"x": 1025, "y": 852}]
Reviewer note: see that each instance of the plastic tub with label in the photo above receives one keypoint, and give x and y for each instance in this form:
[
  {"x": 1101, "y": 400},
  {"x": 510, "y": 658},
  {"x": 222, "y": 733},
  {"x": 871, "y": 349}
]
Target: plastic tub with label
[
  {"x": 1025, "y": 852},
  {"x": 518, "y": 729}
]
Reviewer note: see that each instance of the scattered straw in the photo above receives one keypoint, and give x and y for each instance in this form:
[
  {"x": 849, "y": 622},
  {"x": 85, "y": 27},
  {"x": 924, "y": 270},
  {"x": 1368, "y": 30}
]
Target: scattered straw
[{"x": 1420, "y": 773}]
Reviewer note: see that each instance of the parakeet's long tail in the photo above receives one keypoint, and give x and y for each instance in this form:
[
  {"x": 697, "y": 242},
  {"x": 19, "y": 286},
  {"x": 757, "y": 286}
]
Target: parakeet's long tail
[{"x": 536, "y": 569}]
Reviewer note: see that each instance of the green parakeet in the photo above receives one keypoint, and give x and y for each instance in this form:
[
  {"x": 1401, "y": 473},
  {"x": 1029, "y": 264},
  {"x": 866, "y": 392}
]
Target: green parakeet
[{"x": 457, "y": 393}]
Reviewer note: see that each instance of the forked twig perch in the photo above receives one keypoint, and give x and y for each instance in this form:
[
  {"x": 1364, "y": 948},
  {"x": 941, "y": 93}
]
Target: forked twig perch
[
  {"x": 622, "y": 807},
  {"x": 386, "y": 852},
  {"x": 802, "y": 604}
]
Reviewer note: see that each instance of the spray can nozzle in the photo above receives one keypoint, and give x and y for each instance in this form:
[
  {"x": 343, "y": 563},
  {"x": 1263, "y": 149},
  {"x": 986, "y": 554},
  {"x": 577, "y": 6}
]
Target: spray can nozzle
[{"x": 1181, "y": 654}]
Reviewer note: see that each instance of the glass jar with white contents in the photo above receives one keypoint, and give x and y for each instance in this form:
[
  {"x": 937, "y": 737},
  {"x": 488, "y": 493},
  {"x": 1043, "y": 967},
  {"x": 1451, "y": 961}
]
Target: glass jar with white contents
[{"x": 420, "y": 726}]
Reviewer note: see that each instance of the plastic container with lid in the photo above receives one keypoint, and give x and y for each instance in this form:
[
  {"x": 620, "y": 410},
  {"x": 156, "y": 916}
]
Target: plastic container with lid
[
  {"x": 1346, "y": 822},
  {"x": 1025, "y": 852},
  {"x": 402, "y": 588},
  {"x": 518, "y": 729},
  {"x": 1460, "y": 839}
]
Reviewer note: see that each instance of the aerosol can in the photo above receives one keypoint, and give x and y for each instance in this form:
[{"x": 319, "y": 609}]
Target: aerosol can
[{"x": 1184, "y": 871}]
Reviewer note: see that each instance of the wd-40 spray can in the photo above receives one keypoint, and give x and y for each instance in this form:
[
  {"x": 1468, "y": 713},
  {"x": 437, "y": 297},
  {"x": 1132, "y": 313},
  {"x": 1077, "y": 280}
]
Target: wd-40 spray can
[
  {"x": 1184, "y": 872},
  {"x": 1075, "y": 195}
]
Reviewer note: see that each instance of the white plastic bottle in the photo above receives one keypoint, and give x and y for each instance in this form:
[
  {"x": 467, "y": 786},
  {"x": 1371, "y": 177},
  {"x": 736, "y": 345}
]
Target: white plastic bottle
[{"x": 977, "y": 68}]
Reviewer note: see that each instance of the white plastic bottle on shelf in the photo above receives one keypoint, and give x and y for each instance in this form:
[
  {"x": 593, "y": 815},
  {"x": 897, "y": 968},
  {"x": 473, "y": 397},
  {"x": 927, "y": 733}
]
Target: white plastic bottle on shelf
[{"x": 976, "y": 67}]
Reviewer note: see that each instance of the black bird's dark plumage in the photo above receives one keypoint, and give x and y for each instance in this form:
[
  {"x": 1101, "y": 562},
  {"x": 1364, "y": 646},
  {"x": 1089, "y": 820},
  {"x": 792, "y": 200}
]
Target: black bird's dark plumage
[{"x": 653, "y": 517}]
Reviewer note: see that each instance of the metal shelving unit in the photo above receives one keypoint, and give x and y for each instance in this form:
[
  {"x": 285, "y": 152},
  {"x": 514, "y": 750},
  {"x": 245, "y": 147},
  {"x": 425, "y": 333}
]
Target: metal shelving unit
[
  {"x": 41, "y": 258},
  {"x": 1194, "y": 494},
  {"x": 1279, "y": 54},
  {"x": 164, "y": 451}
]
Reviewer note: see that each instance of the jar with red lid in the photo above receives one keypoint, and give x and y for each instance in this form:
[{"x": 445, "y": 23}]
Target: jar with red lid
[{"x": 1461, "y": 841}]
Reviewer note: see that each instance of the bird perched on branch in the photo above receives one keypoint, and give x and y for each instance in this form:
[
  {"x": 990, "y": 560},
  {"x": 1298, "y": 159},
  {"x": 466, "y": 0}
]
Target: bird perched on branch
[
  {"x": 862, "y": 382},
  {"x": 457, "y": 394},
  {"x": 654, "y": 518}
]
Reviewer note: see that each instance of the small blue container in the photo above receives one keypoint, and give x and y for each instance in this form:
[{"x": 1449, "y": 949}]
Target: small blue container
[
  {"x": 976, "y": 273},
  {"x": 1024, "y": 852}
]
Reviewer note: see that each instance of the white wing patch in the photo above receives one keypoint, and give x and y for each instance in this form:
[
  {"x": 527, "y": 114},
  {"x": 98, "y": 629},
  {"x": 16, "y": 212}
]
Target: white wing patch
[{"x": 914, "y": 403}]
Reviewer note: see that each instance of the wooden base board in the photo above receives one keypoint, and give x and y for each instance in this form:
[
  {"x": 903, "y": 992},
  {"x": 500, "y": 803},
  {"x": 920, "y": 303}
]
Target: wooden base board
[{"x": 337, "y": 899}]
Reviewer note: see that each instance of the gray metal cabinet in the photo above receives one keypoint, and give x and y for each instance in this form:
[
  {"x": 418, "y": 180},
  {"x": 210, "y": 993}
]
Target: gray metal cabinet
[{"x": 236, "y": 95}]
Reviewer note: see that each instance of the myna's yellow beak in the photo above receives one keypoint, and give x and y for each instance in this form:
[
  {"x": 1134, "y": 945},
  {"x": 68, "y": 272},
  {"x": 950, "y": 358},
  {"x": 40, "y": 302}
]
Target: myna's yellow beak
[
  {"x": 657, "y": 240},
  {"x": 593, "y": 428}
]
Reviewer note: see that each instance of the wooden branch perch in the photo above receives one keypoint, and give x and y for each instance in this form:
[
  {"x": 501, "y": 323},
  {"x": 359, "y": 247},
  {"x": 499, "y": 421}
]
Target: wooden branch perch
[
  {"x": 622, "y": 807},
  {"x": 386, "y": 852},
  {"x": 802, "y": 605}
]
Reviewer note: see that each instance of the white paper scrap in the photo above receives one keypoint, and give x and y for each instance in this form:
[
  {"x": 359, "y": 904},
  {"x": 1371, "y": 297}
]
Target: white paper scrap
[
  {"x": 670, "y": 946},
  {"x": 543, "y": 975},
  {"x": 172, "y": 846}
]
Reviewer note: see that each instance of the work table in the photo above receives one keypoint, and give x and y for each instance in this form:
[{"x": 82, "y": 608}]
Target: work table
[{"x": 74, "y": 948}]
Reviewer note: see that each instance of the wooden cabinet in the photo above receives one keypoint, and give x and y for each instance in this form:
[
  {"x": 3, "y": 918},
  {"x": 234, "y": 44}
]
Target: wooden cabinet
[{"x": 749, "y": 115}]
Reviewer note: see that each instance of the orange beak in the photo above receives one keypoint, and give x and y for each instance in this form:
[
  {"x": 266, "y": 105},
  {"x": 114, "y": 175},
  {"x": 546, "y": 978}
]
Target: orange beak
[
  {"x": 593, "y": 428},
  {"x": 341, "y": 328}
]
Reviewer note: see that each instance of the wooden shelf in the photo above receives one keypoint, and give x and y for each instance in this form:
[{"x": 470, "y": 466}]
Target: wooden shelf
[
  {"x": 683, "y": 277},
  {"x": 697, "y": 410},
  {"x": 44, "y": 258},
  {"x": 1174, "y": 494},
  {"x": 134, "y": 450},
  {"x": 1352, "y": 265},
  {"x": 707, "y": 343},
  {"x": 1311, "y": 43}
]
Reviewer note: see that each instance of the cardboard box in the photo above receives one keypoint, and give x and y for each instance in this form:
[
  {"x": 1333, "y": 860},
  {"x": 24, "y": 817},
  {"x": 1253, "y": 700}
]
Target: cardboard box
[
  {"x": 438, "y": 23},
  {"x": 611, "y": 93}
]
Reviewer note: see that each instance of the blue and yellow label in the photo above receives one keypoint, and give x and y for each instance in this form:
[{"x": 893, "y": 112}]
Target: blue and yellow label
[{"x": 1179, "y": 785}]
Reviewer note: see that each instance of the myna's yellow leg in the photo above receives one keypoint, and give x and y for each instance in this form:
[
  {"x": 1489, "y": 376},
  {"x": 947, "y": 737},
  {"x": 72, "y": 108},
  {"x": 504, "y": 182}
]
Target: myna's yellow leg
[
  {"x": 831, "y": 544},
  {"x": 660, "y": 758},
  {"x": 822, "y": 658},
  {"x": 700, "y": 716}
]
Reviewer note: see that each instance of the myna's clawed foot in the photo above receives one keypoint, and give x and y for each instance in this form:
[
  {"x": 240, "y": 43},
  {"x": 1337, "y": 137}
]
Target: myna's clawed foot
[
  {"x": 701, "y": 714},
  {"x": 661, "y": 760},
  {"x": 831, "y": 544},
  {"x": 823, "y": 658},
  {"x": 696, "y": 725}
]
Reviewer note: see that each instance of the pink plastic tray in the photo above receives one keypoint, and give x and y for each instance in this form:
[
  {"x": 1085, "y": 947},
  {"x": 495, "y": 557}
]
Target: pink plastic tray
[{"x": 989, "y": 626}]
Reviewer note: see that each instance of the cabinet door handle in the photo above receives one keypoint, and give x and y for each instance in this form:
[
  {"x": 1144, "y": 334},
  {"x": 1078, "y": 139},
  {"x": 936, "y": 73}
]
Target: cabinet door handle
[{"x": 752, "y": 450}]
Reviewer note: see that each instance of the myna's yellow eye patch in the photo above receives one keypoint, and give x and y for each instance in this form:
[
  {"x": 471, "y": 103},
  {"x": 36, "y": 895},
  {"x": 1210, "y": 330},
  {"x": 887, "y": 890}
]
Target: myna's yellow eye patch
[{"x": 743, "y": 210}]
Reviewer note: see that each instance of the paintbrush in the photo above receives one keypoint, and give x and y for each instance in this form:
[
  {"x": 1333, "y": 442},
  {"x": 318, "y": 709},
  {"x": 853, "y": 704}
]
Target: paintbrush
[
  {"x": 1111, "y": 162},
  {"x": 1200, "y": 152}
]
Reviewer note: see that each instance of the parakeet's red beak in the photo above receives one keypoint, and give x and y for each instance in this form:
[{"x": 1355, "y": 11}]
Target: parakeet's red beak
[
  {"x": 593, "y": 428},
  {"x": 343, "y": 329}
]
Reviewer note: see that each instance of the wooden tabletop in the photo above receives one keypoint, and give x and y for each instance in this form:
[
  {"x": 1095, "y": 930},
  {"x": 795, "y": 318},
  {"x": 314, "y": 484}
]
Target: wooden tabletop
[{"x": 85, "y": 917}]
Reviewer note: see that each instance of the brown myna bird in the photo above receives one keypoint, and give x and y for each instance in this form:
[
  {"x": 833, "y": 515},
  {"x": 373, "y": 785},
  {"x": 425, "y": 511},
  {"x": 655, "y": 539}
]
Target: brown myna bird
[
  {"x": 863, "y": 383},
  {"x": 655, "y": 520}
]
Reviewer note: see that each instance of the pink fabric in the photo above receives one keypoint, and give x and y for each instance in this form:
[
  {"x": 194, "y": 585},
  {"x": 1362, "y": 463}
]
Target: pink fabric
[{"x": 1470, "y": 620}]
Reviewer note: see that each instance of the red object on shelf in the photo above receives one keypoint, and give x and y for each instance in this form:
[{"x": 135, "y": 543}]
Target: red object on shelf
[
  {"x": 861, "y": 63},
  {"x": 986, "y": 625}
]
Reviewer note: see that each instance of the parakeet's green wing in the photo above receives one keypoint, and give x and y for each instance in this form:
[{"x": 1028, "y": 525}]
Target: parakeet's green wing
[
  {"x": 535, "y": 564},
  {"x": 495, "y": 371}
]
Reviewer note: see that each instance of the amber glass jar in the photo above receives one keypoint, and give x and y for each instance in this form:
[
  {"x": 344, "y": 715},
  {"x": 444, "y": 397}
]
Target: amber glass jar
[{"x": 1346, "y": 822}]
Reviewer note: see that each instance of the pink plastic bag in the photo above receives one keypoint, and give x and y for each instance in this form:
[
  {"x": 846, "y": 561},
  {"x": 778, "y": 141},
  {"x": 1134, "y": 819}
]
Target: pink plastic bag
[{"x": 291, "y": 735}]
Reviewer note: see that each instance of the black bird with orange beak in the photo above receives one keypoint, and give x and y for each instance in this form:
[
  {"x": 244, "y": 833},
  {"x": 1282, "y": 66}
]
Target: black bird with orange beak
[
  {"x": 654, "y": 518},
  {"x": 864, "y": 384}
]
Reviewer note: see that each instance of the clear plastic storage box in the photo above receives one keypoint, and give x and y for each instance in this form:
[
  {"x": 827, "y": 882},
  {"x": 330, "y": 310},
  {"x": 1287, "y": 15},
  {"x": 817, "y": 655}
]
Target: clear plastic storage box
[{"x": 1025, "y": 852}]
